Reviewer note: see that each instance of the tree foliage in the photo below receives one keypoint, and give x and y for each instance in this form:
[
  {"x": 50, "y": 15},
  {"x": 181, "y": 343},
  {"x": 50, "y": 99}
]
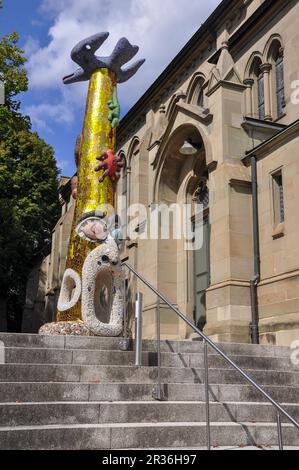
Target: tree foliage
[
  {"x": 12, "y": 71},
  {"x": 29, "y": 204}
]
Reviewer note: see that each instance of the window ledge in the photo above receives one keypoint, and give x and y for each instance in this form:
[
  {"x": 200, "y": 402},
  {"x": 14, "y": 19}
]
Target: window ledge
[{"x": 278, "y": 231}]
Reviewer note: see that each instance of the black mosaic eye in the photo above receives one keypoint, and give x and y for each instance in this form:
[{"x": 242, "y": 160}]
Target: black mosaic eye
[{"x": 105, "y": 259}]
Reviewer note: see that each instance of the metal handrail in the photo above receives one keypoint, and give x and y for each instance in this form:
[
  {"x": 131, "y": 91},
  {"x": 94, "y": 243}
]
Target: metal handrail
[{"x": 208, "y": 341}]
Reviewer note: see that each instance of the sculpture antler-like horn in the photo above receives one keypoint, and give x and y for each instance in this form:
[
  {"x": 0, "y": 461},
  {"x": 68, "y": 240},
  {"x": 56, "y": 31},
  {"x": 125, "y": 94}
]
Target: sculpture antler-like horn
[
  {"x": 123, "y": 52},
  {"x": 84, "y": 55},
  {"x": 125, "y": 74},
  {"x": 87, "y": 47}
]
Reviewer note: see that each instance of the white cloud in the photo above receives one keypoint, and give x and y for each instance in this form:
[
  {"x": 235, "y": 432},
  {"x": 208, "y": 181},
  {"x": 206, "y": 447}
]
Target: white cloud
[
  {"x": 32, "y": 45},
  {"x": 160, "y": 28},
  {"x": 41, "y": 113}
]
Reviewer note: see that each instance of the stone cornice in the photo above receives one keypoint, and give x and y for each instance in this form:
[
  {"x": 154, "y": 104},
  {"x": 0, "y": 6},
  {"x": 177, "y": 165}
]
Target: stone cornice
[
  {"x": 228, "y": 85},
  {"x": 274, "y": 143},
  {"x": 234, "y": 182},
  {"x": 280, "y": 277},
  {"x": 202, "y": 115},
  {"x": 229, "y": 283}
]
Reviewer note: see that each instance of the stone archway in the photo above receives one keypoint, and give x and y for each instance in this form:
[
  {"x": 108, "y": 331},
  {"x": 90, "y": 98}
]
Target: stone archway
[{"x": 179, "y": 178}]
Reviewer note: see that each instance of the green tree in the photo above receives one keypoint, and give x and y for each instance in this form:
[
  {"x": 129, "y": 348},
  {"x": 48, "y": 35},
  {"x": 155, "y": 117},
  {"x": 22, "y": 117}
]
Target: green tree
[{"x": 29, "y": 203}]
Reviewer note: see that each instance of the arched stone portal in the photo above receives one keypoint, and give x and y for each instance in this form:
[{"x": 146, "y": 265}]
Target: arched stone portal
[{"x": 183, "y": 270}]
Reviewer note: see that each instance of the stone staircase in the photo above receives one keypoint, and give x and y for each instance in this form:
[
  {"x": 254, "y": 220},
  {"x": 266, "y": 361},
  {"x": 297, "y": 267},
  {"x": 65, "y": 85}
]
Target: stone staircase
[{"x": 84, "y": 393}]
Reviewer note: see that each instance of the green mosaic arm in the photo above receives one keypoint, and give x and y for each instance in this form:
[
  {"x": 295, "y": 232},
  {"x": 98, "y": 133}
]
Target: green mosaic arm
[{"x": 114, "y": 115}]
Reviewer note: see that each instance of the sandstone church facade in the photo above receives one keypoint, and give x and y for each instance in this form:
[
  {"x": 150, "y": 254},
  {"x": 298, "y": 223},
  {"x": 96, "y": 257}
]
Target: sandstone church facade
[{"x": 231, "y": 92}]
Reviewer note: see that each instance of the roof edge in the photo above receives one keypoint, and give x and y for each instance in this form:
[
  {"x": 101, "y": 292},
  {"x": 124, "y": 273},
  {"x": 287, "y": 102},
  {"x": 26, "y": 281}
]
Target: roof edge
[
  {"x": 180, "y": 57},
  {"x": 291, "y": 130}
]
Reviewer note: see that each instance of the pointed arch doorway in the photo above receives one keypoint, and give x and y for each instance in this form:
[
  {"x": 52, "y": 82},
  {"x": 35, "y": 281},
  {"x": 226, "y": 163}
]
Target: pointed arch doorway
[
  {"x": 183, "y": 275},
  {"x": 201, "y": 255}
]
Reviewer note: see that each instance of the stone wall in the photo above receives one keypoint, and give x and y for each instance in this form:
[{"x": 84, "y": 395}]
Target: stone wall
[
  {"x": 208, "y": 94},
  {"x": 279, "y": 287},
  {"x": 220, "y": 67},
  {"x": 44, "y": 281}
]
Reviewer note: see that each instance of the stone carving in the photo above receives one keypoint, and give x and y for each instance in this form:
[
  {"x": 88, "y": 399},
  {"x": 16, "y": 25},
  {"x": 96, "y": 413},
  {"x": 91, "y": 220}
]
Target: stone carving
[
  {"x": 111, "y": 164},
  {"x": 84, "y": 55},
  {"x": 70, "y": 291},
  {"x": 90, "y": 301},
  {"x": 102, "y": 268}
]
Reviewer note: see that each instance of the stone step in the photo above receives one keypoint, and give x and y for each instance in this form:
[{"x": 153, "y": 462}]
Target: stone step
[
  {"x": 23, "y": 392},
  {"x": 132, "y": 374},
  {"x": 15, "y": 355},
  {"x": 84, "y": 393},
  {"x": 32, "y": 414},
  {"x": 141, "y": 435},
  {"x": 80, "y": 342}
]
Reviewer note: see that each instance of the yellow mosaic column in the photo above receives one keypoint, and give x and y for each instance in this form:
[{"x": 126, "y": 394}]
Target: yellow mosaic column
[
  {"x": 93, "y": 260},
  {"x": 98, "y": 136}
]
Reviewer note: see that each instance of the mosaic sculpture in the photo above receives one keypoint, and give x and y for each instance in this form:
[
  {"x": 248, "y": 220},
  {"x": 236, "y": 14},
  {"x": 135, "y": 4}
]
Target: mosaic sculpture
[{"x": 90, "y": 301}]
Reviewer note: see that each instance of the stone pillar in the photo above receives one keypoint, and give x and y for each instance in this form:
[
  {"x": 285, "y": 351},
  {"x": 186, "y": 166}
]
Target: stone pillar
[
  {"x": 228, "y": 297},
  {"x": 266, "y": 69},
  {"x": 249, "y": 82},
  {"x": 231, "y": 265}
]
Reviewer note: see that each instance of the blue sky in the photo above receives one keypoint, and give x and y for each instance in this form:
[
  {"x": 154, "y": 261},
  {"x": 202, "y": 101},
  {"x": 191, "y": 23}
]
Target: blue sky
[{"x": 50, "y": 28}]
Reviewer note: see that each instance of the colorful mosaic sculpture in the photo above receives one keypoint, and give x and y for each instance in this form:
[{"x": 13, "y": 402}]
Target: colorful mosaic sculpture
[{"x": 90, "y": 300}]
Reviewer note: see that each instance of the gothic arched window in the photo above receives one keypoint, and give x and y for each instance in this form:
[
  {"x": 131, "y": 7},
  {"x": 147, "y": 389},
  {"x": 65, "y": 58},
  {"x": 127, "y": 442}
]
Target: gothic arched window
[
  {"x": 258, "y": 90},
  {"x": 200, "y": 98},
  {"x": 196, "y": 92},
  {"x": 276, "y": 58}
]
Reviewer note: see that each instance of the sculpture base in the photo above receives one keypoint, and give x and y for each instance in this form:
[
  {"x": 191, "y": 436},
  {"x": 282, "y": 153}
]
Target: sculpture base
[{"x": 65, "y": 328}]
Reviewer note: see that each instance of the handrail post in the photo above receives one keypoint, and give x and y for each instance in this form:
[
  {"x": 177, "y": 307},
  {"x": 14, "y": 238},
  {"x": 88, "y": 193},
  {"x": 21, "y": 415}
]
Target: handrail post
[
  {"x": 138, "y": 330},
  {"x": 213, "y": 345},
  {"x": 124, "y": 343},
  {"x": 157, "y": 390},
  {"x": 279, "y": 431},
  {"x": 206, "y": 365}
]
